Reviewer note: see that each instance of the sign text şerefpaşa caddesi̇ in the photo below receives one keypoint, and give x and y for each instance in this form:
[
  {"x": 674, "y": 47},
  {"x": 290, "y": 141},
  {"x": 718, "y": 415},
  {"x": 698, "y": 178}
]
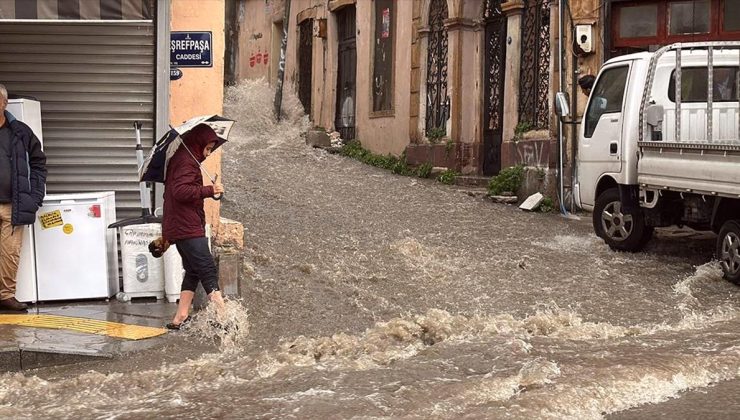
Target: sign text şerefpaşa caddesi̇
[{"x": 191, "y": 49}]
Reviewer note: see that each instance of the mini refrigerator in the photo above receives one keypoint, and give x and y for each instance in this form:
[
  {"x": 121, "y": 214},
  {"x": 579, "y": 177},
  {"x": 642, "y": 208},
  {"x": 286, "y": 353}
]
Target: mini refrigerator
[
  {"x": 28, "y": 111},
  {"x": 76, "y": 253}
]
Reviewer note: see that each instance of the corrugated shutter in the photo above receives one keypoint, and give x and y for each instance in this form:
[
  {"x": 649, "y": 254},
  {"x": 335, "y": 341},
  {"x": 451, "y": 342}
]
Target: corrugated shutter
[{"x": 94, "y": 79}]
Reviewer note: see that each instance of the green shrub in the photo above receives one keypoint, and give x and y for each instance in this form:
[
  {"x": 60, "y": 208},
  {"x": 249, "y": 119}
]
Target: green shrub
[
  {"x": 447, "y": 177},
  {"x": 509, "y": 179},
  {"x": 355, "y": 150},
  {"x": 546, "y": 206},
  {"x": 424, "y": 170}
]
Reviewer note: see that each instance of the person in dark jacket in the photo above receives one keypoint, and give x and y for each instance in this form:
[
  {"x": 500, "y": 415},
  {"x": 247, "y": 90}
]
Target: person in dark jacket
[
  {"x": 184, "y": 218},
  {"x": 22, "y": 190},
  {"x": 586, "y": 83}
]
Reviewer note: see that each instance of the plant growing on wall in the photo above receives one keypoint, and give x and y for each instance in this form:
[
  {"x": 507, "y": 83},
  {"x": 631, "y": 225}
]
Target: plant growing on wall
[
  {"x": 521, "y": 128},
  {"x": 448, "y": 146},
  {"x": 508, "y": 180},
  {"x": 435, "y": 134}
]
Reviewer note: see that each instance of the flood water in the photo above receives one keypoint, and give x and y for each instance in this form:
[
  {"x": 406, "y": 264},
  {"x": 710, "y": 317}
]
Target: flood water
[{"x": 371, "y": 295}]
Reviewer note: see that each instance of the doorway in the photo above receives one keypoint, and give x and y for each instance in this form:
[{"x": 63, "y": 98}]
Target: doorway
[
  {"x": 305, "y": 63},
  {"x": 493, "y": 77},
  {"x": 344, "y": 120}
]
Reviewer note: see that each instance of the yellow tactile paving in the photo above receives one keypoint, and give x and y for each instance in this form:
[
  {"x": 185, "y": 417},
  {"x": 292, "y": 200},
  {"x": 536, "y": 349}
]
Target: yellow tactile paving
[{"x": 85, "y": 325}]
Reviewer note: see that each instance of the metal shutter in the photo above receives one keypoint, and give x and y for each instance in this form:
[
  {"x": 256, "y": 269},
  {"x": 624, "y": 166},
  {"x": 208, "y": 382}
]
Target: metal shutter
[{"x": 94, "y": 79}]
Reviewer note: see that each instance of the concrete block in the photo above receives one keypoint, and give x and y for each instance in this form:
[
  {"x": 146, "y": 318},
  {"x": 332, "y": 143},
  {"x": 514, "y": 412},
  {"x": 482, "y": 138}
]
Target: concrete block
[
  {"x": 318, "y": 138},
  {"x": 230, "y": 234},
  {"x": 532, "y": 202}
]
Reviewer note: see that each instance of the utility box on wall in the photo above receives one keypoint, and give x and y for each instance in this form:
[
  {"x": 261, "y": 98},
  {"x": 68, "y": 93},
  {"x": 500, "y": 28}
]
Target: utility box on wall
[{"x": 584, "y": 38}]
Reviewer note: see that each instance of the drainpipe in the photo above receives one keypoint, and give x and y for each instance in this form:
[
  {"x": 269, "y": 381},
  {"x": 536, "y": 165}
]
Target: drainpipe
[
  {"x": 281, "y": 63},
  {"x": 561, "y": 138},
  {"x": 574, "y": 129}
]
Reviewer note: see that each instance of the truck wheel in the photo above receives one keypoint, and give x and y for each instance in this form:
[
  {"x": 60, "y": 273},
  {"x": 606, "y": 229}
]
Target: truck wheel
[
  {"x": 728, "y": 250},
  {"x": 622, "y": 231}
]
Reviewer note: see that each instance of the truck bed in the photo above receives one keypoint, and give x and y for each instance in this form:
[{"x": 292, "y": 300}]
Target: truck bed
[{"x": 695, "y": 167}]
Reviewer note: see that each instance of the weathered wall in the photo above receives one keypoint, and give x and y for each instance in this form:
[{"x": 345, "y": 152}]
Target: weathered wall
[
  {"x": 255, "y": 37},
  {"x": 200, "y": 90},
  {"x": 384, "y": 134}
]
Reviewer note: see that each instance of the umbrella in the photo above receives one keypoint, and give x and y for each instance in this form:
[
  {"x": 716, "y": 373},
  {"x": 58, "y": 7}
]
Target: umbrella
[{"x": 154, "y": 168}]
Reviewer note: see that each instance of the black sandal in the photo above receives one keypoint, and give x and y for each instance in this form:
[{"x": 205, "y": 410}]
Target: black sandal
[{"x": 173, "y": 326}]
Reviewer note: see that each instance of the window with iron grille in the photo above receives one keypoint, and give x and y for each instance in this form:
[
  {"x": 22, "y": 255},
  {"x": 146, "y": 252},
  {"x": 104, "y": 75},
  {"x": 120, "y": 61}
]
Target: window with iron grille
[
  {"x": 534, "y": 79},
  {"x": 437, "y": 101},
  {"x": 382, "y": 83}
]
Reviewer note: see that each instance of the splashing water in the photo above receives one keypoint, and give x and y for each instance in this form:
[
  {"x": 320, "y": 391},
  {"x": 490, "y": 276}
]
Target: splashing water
[{"x": 229, "y": 328}]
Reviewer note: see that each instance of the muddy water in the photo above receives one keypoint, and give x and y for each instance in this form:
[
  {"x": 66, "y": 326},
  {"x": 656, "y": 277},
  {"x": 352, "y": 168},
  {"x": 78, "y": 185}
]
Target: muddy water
[{"x": 372, "y": 295}]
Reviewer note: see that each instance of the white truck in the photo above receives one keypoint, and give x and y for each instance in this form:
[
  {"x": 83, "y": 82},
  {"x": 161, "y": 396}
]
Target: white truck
[{"x": 659, "y": 145}]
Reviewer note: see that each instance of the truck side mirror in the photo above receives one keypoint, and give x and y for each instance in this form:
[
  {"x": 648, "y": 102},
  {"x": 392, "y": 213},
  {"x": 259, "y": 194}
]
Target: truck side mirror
[{"x": 561, "y": 105}]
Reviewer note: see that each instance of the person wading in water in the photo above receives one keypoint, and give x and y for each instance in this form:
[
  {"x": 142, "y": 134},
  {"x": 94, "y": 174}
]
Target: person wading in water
[{"x": 184, "y": 219}]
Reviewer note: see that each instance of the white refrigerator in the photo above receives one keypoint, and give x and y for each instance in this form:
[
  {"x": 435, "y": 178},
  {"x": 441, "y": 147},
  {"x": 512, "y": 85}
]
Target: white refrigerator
[
  {"x": 76, "y": 253},
  {"x": 28, "y": 111}
]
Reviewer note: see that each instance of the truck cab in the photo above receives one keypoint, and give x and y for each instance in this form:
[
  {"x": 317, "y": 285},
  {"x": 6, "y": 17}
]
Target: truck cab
[{"x": 659, "y": 145}]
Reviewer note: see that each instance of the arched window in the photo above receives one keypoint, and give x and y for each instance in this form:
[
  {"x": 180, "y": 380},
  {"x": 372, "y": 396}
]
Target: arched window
[{"x": 437, "y": 102}]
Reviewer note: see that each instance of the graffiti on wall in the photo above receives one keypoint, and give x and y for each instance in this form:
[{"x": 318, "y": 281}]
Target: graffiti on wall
[
  {"x": 258, "y": 58},
  {"x": 533, "y": 153}
]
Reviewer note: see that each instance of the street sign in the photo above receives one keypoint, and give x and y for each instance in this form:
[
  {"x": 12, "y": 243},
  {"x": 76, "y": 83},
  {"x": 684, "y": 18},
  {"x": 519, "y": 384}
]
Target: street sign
[{"x": 191, "y": 49}]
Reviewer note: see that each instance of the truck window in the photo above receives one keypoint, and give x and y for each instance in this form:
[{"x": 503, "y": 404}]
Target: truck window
[
  {"x": 606, "y": 97},
  {"x": 694, "y": 85}
]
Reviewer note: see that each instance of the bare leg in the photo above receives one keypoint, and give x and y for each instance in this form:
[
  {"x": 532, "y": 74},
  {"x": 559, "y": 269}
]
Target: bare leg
[
  {"x": 217, "y": 298},
  {"x": 183, "y": 308}
]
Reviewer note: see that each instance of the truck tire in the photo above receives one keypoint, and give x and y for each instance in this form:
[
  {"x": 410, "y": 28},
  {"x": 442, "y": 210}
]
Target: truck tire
[
  {"x": 621, "y": 231},
  {"x": 728, "y": 250}
]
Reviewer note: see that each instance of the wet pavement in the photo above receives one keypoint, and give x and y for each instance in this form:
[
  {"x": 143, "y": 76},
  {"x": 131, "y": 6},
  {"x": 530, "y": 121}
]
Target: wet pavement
[
  {"x": 370, "y": 295},
  {"x": 29, "y": 348}
]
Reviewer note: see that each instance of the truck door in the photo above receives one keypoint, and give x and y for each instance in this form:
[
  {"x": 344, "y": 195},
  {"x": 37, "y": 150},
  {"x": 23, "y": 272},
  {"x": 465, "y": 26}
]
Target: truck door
[{"x": 600, "y": 145}]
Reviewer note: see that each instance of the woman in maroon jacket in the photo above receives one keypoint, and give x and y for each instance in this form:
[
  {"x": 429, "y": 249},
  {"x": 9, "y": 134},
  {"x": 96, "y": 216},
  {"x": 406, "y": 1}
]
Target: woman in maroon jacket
[{"x": 184, "y": 218}]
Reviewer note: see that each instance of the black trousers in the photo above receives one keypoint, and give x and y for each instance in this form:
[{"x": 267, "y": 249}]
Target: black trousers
[{"x": 198, "y": 264}]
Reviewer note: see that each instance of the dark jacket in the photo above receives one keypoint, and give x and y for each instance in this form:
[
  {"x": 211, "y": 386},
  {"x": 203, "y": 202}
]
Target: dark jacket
[
  {"x": 184, "y": 192},
  {"x": 28, "y": 172}
]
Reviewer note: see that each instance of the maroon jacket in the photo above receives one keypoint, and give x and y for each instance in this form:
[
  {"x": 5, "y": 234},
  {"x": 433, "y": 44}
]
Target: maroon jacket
[{"x": 184, "y": 192}]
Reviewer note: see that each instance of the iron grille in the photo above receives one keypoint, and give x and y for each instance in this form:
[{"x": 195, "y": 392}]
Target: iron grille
[
  {"x": 494, "y": 63},
  {"x": 493, "y": 77},
  {"x": 534, "y": 85},
  {"x": 437, "y": 102}
]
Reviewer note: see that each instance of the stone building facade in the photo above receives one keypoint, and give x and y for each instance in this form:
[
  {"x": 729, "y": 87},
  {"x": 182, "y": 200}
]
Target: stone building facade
[{"x": 463, "y": 84}]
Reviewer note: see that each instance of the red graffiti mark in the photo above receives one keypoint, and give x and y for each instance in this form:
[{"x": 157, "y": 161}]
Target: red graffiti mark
[
  {"x": 264, "y": 56},
  {"x": 252, "y": 58},
  {"x": 259, "y": 57}
]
